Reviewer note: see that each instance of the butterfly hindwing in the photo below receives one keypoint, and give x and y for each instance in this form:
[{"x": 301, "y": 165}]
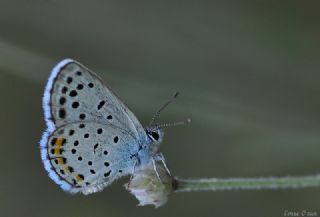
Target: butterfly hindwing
[
  {"x": 87, "y": 156},
  {"x": 74, "y": 93}
]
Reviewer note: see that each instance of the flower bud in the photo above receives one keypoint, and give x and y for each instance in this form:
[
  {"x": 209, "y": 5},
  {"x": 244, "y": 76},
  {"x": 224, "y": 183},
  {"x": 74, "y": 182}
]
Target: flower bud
[{"x": 151, "y": 187}]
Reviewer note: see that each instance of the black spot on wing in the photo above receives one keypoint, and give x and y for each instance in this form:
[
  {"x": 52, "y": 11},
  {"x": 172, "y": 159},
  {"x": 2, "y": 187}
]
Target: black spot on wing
[
  {"x": 62, "y": 113},
  {"x": 107, "y": 173},
  {"x": 64, "y": 90},
  {"x": 69, "y": 80},
  {"x": 73, "y": 93},
  {"x": 82, "y": 116},
  {"x": 62, "y": 100},
  {"x": 101, "y": 104},
  {"x": 75, "y": 104},
  {"x": 71, "y": 132},
  {"x": 116, "y": 139},
  {"x": 80, "y": 86}
]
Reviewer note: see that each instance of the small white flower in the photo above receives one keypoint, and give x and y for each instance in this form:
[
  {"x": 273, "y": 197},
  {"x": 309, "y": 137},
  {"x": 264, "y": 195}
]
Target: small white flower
[{"x": 151, "y": 187}]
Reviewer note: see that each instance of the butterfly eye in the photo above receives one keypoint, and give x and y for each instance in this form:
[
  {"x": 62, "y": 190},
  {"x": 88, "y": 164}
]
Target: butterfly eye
[{"x": 155, "y": 135}]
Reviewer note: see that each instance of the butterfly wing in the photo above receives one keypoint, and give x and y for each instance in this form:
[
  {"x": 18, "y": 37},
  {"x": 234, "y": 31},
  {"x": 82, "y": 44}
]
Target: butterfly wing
[
  {"x": 87, "y": 156},
  {"x": 74, "y": 93}
]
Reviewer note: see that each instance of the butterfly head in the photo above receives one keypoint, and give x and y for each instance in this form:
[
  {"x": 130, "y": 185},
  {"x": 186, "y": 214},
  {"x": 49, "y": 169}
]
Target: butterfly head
[{"x": 155, "y": 134}]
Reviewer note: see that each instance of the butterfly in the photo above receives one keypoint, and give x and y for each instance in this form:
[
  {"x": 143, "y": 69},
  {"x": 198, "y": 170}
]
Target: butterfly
[{"x": 92, "y": 137}]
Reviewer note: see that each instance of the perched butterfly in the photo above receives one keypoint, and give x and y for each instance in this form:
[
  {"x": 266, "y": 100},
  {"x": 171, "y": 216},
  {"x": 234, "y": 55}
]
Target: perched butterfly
[{"x": 92, "y": 138}]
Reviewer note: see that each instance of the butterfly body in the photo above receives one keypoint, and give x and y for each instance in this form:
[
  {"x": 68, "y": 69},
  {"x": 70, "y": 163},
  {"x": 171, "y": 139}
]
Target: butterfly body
[{"x": 92, "y": 138}]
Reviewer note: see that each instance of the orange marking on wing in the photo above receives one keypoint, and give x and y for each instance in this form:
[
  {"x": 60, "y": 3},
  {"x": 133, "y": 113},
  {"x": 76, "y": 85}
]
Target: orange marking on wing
[
  {"x": 58, "y": 151},
  {"x": 66, "y": 169},
  {"x": 61, "y": 160},
  {"x": 60, "y": 141},
  {"x": 79, "y": 178}
]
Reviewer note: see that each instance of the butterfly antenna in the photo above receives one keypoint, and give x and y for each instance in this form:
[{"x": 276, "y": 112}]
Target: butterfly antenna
[
  {"x": 156, "y": 115},
  {"x": 188, "y": 121}
]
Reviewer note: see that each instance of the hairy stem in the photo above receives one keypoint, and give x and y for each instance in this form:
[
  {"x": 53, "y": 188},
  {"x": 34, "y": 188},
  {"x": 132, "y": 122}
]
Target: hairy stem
[{"x": 186, "y": 185}]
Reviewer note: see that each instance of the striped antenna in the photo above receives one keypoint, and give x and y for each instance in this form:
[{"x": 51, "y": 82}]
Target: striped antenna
[
  {"x": 187, "y": 121},
  {"x": 156, "y": 115}
]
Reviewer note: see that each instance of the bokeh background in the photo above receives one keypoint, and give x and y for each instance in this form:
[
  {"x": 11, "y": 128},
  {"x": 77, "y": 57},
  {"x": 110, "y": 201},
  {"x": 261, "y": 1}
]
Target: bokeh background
[{"x": 249, "y": 77}]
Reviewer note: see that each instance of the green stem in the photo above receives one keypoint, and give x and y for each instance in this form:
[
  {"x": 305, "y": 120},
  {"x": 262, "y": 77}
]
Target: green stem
[{"x": 185, "y": 185}]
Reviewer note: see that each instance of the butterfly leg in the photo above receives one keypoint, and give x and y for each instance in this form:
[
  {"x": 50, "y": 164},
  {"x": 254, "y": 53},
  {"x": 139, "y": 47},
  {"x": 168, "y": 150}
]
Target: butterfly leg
[
  {"x": 155, "y": 168},
  {"x": 160, "y": 157}
]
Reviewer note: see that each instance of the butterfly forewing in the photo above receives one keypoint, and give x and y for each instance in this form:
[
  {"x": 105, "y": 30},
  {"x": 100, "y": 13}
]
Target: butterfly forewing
[{"x": 77, "y": 94}]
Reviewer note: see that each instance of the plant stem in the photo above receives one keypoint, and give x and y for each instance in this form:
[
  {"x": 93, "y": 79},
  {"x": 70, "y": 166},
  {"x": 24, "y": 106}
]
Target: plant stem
[{"x": 186, "y": 185}]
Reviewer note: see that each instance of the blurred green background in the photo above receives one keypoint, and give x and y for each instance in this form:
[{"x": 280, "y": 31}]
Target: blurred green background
[{"x": 249, "y": 77}]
